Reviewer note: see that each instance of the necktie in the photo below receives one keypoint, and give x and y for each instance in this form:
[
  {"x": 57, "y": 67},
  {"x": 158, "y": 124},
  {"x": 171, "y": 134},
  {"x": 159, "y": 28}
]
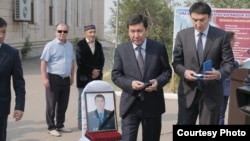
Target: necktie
[
  {"x": 101, "y": 117},
  {"x": 140, "y": 60},
  {"x": 200, "y": 48}
]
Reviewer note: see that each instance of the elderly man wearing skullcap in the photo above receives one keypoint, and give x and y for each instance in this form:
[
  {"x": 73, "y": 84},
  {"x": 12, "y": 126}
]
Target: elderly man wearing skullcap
[{"x": 90, "y": 62}]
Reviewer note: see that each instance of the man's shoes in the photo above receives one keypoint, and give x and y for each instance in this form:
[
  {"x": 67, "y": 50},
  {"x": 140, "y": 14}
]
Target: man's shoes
[
  {"x": 54, "y": 132},
  {"x": 79, "y": 125},
  {"x": 66, "y": 130}
]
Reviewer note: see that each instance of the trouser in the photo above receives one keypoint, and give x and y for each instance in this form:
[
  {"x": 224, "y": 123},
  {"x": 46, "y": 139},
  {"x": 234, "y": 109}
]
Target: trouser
[
  {"x": 198, "y": 109},
  {"x": 151, "y": 126},
  {"x": 57, "y": 98},
  {"x": 79, "y": 116},
  {"x": 3, "y": 127},
  {"x": 223, "y": 110}
]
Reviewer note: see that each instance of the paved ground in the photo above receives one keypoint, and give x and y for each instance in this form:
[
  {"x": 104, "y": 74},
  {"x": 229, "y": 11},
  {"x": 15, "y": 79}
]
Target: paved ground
[{"x": 33, "y": 126}]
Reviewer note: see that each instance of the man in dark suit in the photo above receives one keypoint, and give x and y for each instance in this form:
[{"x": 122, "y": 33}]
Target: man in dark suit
[
  {"x": 90, "y": 62},
  {"x": 101, "y": 118},
  {"x": 10, "y": 67},
  {"x": 137, "y": 62},
  {"x": 201, "y": 96}
]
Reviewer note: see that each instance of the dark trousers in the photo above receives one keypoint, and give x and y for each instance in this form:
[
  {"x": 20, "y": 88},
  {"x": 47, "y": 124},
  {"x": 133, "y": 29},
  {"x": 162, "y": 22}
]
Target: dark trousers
[
  {"x": 151, "y": 127},
  {"x": 223, "y": 110},
  {"x": 3, "y": 127},
  {"x": 57, "y": 98},
  {"x": 188, "y": 116}
]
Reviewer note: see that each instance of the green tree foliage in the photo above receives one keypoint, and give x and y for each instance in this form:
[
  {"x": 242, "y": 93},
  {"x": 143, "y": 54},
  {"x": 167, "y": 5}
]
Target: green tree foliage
[
  {"x": 159, "y": 14},
  {"x": 240, "y": 4}
]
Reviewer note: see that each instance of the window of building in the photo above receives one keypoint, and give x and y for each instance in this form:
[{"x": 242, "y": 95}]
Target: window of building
[
  {"x": 32, "y": 13},
  {"x": 51, "y": 12}
]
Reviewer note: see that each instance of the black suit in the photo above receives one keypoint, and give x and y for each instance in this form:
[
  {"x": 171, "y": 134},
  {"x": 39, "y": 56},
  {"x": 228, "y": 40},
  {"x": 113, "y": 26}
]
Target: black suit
[
  {"x": 217, "y": 48},
  {"x": 126, "y": 70},
  {"x": 94, "y": 123},
  {"x": 87, "y": 61},
  {"x": 10, "y": 67}
]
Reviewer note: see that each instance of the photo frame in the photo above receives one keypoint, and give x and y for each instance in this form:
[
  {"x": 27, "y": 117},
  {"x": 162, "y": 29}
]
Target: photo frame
[{"x": 100, "y": 111}]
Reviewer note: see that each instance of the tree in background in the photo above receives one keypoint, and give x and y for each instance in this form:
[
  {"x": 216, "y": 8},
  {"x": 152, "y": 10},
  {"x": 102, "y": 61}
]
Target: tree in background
[
  {"x": 159, "y": 14},
  {"x": 239, "y": 4}
]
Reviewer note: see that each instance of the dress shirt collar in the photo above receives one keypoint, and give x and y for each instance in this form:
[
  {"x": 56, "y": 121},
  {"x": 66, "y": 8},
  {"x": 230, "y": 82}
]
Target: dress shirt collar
[
  {"x": 60, "y": 42},
  {"x": 143, "y": 46},
  {"x": 89, "y": 41},
  {"x": 205, "y": 32},
  {"x": 0, "y": 45}
]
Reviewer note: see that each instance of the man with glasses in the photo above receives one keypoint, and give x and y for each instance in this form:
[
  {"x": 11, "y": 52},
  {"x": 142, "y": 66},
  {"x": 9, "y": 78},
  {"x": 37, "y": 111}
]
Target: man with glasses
[{"x": 57, "y": 69}]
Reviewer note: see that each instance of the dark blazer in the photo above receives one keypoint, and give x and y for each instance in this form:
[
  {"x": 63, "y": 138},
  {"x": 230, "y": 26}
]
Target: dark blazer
[
  {"x": 94, "y": 123},
  {"x": 217, "y": 48},
  {"x": 11, "y": 67},
  {"x": 86, "y": 62},
  {"x": 126, "y": 69}
]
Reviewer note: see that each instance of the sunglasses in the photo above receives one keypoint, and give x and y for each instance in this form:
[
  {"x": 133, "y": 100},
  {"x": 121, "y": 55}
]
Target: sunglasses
[{"x": 60, "y": 31}]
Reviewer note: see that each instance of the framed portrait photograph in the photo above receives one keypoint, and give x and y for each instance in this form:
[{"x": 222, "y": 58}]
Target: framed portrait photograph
[{"x": 100, "y": 111}]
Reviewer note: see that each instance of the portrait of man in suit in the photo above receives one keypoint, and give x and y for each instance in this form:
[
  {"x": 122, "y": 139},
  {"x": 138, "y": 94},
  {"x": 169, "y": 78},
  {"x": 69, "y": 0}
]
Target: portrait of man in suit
[{"x": 101, "y": 118}]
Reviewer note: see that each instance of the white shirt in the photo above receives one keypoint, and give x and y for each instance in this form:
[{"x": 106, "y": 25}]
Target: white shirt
[
  {"x": 91, "y": 45},
  {"x": 203, "y": 37}
]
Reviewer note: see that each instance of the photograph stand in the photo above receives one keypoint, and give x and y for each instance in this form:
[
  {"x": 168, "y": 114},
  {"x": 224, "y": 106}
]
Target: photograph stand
[{"x": 95, "y": 87}]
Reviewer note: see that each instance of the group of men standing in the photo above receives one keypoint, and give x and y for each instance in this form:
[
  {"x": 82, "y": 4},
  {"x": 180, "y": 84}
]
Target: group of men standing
[{"x": 141, "y": 69}]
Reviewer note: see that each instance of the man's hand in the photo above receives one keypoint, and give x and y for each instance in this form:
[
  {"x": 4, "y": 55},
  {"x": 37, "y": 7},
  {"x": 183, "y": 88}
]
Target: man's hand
[
  {"x": 190, "y": 75},
  {"x": 153, "y": 87},
  {"x": 18, "y": 114},
  {"x": 95, "y": 73},
  {"x": 212, "y": 75},
  {"x": 137, "y": 85}
]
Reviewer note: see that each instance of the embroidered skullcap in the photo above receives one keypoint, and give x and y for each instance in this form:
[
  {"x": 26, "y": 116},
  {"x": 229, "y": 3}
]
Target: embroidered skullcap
[{"x": 88, "y": 27}]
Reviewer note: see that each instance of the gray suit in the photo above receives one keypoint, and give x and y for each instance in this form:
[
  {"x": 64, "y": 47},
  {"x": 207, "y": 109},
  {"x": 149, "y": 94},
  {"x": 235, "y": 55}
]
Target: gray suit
[
  {"x": 126, "y": 70},
  {"x": 147, "y": 110},
  {"x": 217, "y": 48}
]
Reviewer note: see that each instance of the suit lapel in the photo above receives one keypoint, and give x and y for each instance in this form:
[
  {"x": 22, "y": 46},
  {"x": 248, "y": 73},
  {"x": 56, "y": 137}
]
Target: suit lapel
[
  {"x": 192, "y": 43},
  {"x": 3, "y": 54},
  {"x": 148, "y": 54},
  {"x": 209, "y": 41}
]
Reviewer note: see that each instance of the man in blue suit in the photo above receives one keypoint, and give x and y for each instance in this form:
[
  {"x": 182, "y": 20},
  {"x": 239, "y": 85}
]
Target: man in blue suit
[
  {"x": 10, "y": 67},
  {"x": 136, "y": 63}
]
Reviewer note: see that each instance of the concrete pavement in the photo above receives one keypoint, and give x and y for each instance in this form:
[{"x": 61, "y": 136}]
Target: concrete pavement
[{"x": 33, "y": 126}]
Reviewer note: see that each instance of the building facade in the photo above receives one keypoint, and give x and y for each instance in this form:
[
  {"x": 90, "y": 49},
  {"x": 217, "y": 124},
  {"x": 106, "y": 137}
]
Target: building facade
[{"x": 34, "y": 20}]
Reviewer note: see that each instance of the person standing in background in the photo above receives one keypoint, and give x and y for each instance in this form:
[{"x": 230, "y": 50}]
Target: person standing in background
[
  {"x": 57, "y": 69},
  {"x": 90, "y": 62},
  {"x": 10, "y": 68},
  {"x": 227, "y": 82},
  {"x": 201, "y": 97},
  {"x": 141, "y": 69}
]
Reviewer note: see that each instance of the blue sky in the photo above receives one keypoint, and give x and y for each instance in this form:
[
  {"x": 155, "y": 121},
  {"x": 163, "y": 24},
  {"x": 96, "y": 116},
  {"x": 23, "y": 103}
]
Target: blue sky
[{"x": 107, "y": 12}]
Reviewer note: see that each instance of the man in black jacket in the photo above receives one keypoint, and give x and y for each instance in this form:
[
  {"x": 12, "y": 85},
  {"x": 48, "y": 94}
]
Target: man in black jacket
[
  {"x": 90, "y": 62},
  {"x": 10, "y": 67}
]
